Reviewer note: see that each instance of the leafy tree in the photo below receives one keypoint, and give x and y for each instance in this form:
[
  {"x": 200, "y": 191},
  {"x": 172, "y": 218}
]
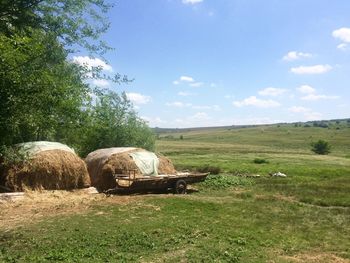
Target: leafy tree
[
  {"x": 43, "y": 96},
  {"x": 112, "y": 121},
  {"x": 321, "y": 147},
  {"x": 73, "y": 22},
  {"x": 40, "y": 90}
]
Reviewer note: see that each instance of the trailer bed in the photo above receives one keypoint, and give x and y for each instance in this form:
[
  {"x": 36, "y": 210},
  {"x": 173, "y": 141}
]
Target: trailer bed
[{"x": 177, "y": 182}]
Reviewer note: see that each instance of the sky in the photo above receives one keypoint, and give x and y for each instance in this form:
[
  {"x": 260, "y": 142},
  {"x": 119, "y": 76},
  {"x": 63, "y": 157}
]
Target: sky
[{"x": 200, "y": 63}]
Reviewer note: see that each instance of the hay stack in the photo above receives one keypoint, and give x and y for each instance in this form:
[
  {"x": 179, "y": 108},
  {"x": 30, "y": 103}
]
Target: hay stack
[
  {"x": 165, "y": 165},
  {"x": 49, "y": 169},
  {"x": 104, "y": 163}
]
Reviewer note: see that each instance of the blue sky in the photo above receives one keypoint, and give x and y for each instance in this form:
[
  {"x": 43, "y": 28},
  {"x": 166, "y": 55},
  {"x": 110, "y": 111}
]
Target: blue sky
[{"x": 224, "y": 62}]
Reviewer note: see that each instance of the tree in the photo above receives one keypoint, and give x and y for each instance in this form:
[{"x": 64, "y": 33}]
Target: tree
[
  {"x": 112, "y": 121},
  {"x": 73, "y": 22},
  {"x": 40, "y": 91},
  {"x": 43, "y": 95},
  {"x": 321, "y": 147}
]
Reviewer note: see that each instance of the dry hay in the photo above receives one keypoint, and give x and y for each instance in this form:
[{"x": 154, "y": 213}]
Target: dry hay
[
  {"x": 50, "y": 170},
  {"x": 40, "y": 205},
  {"x": 315, "y": 257},
  {"x": 165, "y": 165},
  {"x": 102, "y": 169}
]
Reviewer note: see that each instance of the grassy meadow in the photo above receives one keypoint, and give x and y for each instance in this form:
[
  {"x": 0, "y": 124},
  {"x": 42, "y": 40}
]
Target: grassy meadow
[{"x": 231, "y": 217}]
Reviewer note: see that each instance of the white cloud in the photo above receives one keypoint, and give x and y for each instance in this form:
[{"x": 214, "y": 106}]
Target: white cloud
[
  {"x": 197, "y": 84},
  {"x": 184, "y": 93},
  {"x": 342, "y": 46},
  {"x": 190, "y": 81},
  {"x": 101, "y": 82},
  {"x": 313, "y": 116},
  {"x": 308, "y": 113},
  {"x": 313, "y": 97},
  {"x": 192, "y": 2},
  {"x": 138, "y": 98},
  {"x": 154, "y": 122},
  {"x": 200, "y": 116},
  {"x": 178, "y": 104},
  {"x": 295, "y": 55},
  {"x": 89, "y": 63},
  {"x": 299, "y": 109},
  {"x": 254, "y": 101},
  {"x": 311, "y": 94},
  {"x": 343, "y": 34},
  {"x": 306, "y": 89},
  {"x": 199, "y": 119},
  {"x": 317, "y": 69},
  {"x": 186, "y": 79},
  {"x": 271, "y": 92},
  {"x": 213, "y": 107}
]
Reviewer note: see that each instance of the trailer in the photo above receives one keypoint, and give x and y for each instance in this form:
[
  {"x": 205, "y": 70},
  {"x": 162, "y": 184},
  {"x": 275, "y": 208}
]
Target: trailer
[{"x": 128, "y": 182}]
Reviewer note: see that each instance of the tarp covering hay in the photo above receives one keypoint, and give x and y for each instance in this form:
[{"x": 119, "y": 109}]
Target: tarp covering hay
[
  {"x": 50, "y": 166},
  {"x": 104, "y": 163}
]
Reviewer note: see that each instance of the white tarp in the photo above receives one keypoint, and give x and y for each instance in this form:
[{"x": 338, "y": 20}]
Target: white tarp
[
  {"x": 32, "y": 148},
  {"x": 147, "y": 162}
]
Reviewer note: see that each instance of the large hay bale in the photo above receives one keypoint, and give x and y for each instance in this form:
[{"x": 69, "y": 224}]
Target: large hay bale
[
  {"x": 165, "y": 165},
  {"x": 50, "y": 169},
  {"x": 104, "y": 163}
]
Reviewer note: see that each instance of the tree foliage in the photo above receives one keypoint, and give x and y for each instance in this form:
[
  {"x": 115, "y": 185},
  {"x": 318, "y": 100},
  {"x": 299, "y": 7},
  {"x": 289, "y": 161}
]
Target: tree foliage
[
  {"x": 112, "y": 121},
  {"x": 40, "y": 90},
  {"x": 43, "y": 95},
  {"x": 321, "y": 147},
  {"x": 73, "y": 22}
]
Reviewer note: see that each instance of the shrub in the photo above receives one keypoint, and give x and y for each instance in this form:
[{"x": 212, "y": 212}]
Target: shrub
[
  {"x": 321, "y": 147},
  {"x": 10, "y": 156},
  {"x": 207, "y": 168},
  {"x": 260, "y": 161}
]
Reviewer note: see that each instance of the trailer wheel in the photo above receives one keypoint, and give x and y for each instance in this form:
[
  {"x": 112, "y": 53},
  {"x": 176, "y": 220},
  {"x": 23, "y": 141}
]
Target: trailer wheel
[{"x": 180, "y": 187}]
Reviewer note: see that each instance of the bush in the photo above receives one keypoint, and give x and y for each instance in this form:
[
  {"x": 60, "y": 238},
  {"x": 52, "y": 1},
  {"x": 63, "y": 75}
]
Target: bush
[
  {"x": 10, "y": 156},
  {"x": 112, "y": 122},
  {"x": 321, "y": 147},
  {"x": 260, "y": 161},
  {"x": 207, "y": 168}
]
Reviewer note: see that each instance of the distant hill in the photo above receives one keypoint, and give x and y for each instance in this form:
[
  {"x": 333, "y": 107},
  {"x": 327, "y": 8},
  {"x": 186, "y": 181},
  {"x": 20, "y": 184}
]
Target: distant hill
[{"x": 321, "y": 123}]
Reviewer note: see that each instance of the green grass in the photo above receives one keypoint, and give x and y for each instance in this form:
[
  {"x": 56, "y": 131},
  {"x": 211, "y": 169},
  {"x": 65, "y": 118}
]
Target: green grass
[
  {"x": 231, "y": 218},
  {"x": 209, "y": 226},
  {"x": 312, "y": 178}
]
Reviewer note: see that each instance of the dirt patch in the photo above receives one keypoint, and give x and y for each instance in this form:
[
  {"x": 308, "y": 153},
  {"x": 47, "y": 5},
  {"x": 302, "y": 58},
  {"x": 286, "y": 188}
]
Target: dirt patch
[
  {"x": 36, "y": 206},
  {"x": 315, "y": 258},
  {"x": 179, "y": 255}
]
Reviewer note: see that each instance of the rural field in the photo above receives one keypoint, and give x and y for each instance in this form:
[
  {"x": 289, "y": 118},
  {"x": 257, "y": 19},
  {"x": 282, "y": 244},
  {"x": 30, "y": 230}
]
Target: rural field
[{"x": 234, "y": 216}]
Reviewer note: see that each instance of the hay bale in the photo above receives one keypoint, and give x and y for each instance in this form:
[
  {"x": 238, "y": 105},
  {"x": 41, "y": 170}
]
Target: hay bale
[
  {"x": 165, "y": 165},
  {"x": 103, "y": 164},
  {"x": 50, "y": 170}
]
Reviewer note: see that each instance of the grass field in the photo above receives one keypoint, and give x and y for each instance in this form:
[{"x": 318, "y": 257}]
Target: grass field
[{"x": 231, "y": 218}]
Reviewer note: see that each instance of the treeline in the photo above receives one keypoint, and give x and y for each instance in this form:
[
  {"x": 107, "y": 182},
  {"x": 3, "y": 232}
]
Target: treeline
[{"x": 43, "y": 95}]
